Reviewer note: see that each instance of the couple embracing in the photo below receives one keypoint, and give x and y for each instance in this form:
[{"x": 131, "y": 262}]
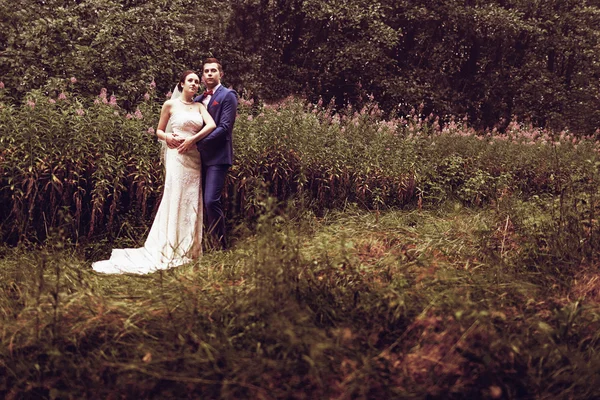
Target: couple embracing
[{"x": 197, "y": 132}]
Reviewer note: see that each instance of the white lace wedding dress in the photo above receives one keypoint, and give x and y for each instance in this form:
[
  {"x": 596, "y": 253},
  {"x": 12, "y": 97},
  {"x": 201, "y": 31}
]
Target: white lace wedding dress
[{"x": 176, "y": 234}]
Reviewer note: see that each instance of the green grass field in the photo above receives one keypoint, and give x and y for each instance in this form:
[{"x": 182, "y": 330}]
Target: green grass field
[
  {"x": 444, "y": 303},
  {"x": 372, "y": 259}
]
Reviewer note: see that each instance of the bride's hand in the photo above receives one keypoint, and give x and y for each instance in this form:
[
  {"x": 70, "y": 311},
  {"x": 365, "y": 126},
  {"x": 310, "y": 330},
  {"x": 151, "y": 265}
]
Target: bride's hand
[
  {"x": 173, "y": 141},
  {"x": 186, "y": 145}
]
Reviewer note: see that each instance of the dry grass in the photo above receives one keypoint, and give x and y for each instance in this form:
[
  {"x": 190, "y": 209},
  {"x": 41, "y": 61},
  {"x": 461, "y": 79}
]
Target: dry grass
[{"x": 353, "y": 305}]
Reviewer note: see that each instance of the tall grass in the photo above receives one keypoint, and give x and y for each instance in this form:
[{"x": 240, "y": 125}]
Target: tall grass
[
  {"x": 65, "y": 162},
  {"x": 93, "y": 167},
  {"x": 420, "y": 304}
]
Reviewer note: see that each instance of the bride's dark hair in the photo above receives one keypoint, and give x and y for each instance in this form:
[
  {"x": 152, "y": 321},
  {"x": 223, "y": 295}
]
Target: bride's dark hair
[{"x": 182, "y": 77}]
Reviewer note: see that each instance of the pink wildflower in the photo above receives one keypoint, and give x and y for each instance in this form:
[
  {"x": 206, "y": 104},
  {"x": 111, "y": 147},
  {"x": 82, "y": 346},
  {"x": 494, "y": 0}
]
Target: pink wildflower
[
  {"x": 128, "y": 116},
  {"x": 246, "y": 102},
  {"x": 102, "y": 94},
  {"x": 62, "y": 96},
  {"x": 1, "y": 85},
  {"x": 80, "y": 112},
  {"x": 152, "y": 84},
  {"x": 113, "y": 100},
  {"x": 147, "y": 96},
  {"x": 138, "y": 114},
  {"x": 168, "y": 94},
  {"x": 31, "y": 103},
  {"x": 97, "y": 101},
  {"x": 249, "y": 117},
  {"x": 151, "y": 130},
  {"x": 51, "y": 101},
  {"x": 73, "y": 79}
]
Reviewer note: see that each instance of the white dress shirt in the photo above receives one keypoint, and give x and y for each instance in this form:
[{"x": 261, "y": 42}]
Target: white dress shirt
[{"x": 206, "y": 99}]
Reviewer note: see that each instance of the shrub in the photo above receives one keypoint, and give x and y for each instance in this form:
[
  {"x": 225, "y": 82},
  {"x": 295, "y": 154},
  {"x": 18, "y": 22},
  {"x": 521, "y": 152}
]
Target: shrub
[{"x": 88, "y": 164}]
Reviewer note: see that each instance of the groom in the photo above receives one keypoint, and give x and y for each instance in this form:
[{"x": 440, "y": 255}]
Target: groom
[{"x": 216, "y": 149}]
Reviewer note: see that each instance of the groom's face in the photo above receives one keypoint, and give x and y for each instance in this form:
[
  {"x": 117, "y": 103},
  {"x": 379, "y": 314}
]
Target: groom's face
[{"x": 211, "y": 74}]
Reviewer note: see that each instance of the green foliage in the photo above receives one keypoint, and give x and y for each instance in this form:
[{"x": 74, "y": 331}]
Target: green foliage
[
  {"x": 318, "y": 298},
  {"x": 68, "y": 162},
  {"x": 401, "y": 304},
  {"x": 93, "y": 163},
  {"x": 489, "y": 60},
  {"x": 115, "y": 44}
]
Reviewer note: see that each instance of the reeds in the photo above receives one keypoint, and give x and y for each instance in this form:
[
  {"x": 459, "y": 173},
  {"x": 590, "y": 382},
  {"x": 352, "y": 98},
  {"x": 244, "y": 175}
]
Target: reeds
[{"x": 98, "y": 166}]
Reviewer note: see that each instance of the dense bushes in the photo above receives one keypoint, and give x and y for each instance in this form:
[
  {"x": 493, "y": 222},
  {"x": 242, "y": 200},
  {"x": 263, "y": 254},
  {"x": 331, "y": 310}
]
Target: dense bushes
[
  {"x": 90, "y": 167},
  {"x": 485, "y": 59}
]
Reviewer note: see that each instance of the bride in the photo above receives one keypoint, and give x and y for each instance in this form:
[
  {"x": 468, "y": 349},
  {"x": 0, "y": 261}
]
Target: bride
[{"x": 176, "y": 234}]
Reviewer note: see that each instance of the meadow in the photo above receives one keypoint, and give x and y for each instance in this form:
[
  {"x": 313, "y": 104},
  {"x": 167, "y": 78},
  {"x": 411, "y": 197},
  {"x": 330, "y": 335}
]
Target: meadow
[{"x": 401, "y": 257}]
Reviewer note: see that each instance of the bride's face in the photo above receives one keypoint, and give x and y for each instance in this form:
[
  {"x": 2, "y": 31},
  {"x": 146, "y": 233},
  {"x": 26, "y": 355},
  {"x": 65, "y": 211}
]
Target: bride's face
[{"x": 191, "y": 83}]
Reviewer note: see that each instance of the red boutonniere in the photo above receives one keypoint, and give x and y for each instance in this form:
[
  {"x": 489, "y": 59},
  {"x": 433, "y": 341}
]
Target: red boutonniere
[{"x": 215, "y": 103}]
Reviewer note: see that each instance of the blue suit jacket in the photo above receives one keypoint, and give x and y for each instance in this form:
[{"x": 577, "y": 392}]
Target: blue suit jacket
[{"x": 217, "y": 147}]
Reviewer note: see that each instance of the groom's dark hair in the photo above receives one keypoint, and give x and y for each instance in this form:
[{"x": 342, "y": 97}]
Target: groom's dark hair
[
  {"x": 212, "y": 60},
  {"x": 182, "y": 77}
]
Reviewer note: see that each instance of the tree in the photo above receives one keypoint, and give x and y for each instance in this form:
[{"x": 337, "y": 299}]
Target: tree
[
  {"x": 488, "y": 60},
  {"x": 120, "y": 45}
]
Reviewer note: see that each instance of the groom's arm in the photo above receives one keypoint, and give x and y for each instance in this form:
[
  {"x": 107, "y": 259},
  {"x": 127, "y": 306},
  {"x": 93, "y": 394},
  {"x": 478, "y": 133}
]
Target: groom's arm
[{"x": 225, "y": 125}]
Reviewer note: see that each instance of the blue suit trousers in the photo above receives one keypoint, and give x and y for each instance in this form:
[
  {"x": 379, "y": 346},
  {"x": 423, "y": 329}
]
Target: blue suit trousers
[{"x": 213, "y": 181}]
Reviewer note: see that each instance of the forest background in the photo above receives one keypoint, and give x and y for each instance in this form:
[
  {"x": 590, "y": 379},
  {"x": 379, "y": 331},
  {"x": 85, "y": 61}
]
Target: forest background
[{"x": 488, "y": 60}]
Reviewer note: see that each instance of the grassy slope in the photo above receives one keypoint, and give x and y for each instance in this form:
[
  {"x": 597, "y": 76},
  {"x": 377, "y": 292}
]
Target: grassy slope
[{"x": 403, "y": 304}]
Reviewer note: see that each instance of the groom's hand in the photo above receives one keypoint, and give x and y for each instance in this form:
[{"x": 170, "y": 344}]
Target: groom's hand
[
  {"x": 186, "y": 145},
  {"x": 173, "y": 141}
]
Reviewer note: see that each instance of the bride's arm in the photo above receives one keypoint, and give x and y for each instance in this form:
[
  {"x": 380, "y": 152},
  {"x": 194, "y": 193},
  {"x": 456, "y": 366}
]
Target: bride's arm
[
  {"x": 165, "y": 114},
  {"x": 209, "y": 126}
]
